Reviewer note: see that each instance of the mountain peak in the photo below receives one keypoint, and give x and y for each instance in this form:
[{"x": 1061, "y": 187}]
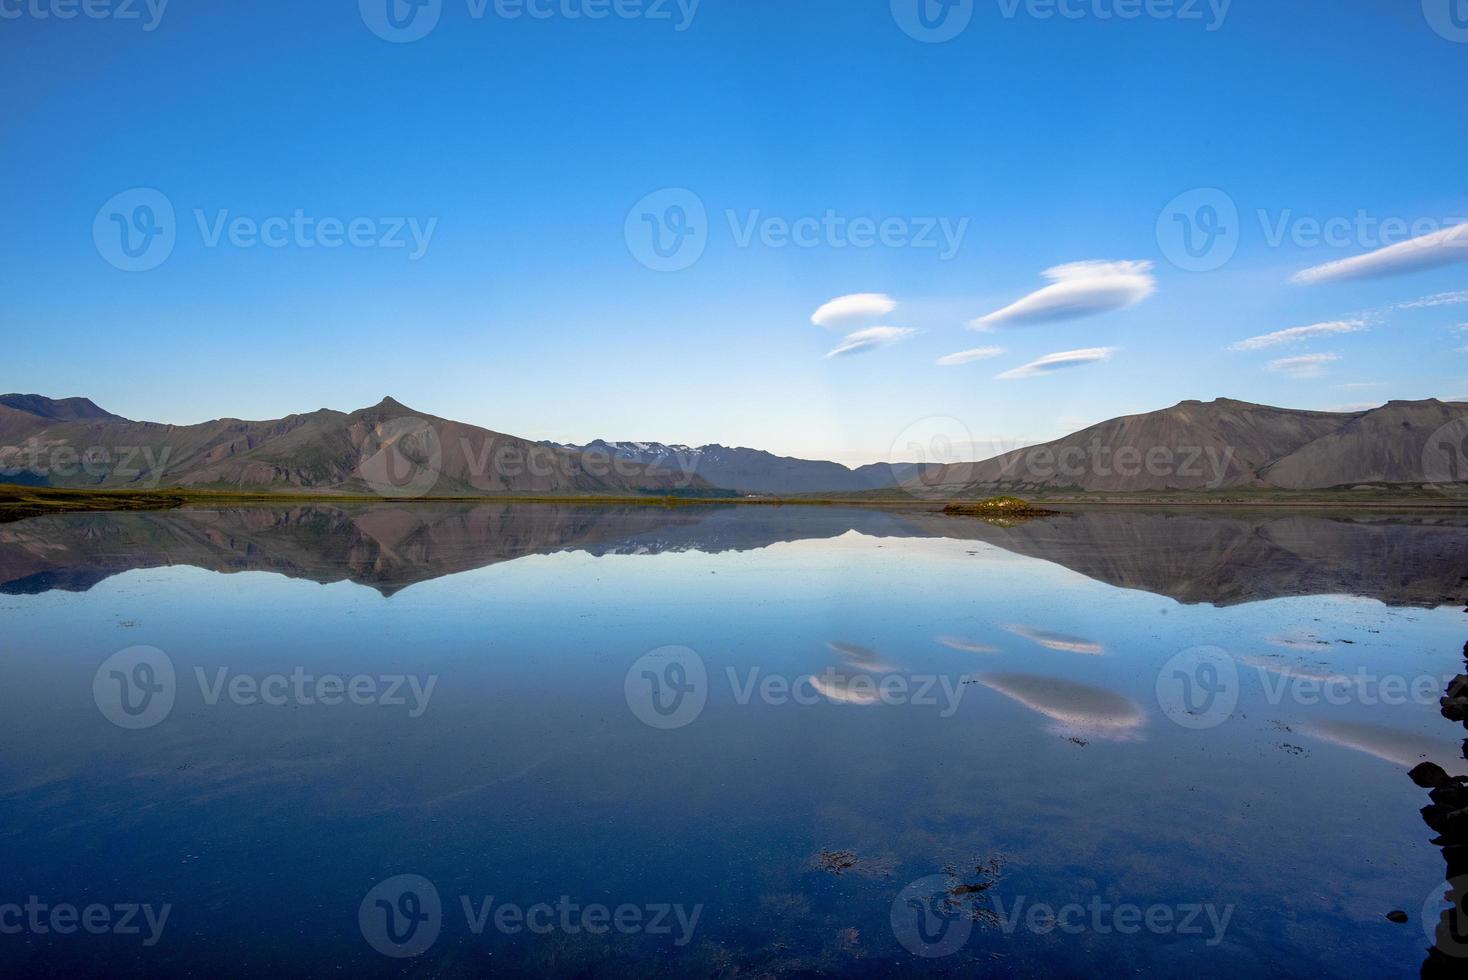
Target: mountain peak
[
  {"x": 59, "y": 409},
  {"x": 1218, "y": 402},
  {"x": 389, "y": 404}
]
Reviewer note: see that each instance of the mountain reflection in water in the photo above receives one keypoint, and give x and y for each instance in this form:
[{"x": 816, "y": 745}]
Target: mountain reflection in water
[
  {"x": 914, "y": 696},
  {"x": 1221, "y": 558}
]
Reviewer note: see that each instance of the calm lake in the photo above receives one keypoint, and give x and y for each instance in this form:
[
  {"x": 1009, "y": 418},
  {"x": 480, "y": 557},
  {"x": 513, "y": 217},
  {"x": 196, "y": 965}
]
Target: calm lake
[{"x": 443, "y": 740}]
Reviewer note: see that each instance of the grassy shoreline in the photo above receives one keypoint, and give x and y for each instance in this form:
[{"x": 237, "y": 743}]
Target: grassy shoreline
[{"x": 17, "y": 502}]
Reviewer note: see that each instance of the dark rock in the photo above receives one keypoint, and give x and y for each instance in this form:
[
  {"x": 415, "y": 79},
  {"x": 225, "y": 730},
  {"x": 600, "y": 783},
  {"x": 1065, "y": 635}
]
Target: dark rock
[
  {"x": 1396, "y": 915},
  {"x": 1457, "y": 857},
  {"x": 1455, "y": 708},
  {"x": 1452, "y": 795},
  {"x": 1429, "y": 775}
]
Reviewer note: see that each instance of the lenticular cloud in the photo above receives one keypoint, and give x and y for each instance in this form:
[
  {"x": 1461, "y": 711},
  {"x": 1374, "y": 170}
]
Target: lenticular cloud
[
  {"x": 845, "y": 311},
  {"x": 1427, "y": 252},
  {"x": 1078, "y": 289},
  {"x": 855, "y": 343}
]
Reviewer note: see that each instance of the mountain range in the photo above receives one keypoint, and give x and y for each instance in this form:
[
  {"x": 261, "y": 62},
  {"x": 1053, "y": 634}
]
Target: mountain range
[
  {"x": 389, "y": 449},
  {"x": 1229, "y": 444},
  {"x": 756, "y": 471}
]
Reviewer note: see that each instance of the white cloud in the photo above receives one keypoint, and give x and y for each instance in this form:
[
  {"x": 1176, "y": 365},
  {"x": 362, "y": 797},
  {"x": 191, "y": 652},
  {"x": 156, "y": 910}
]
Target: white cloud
[
  {"x": 869, "y": 338},
  {"x": 1440, "y": 299},
  {"x": 1294, "y": 335},
  {"x": 1429, "y": 251},
  {"x": 1304, "y": 365},
  {"x": 845, "y": 310},
  {"x": 966, "y": 356},
  {"x": 1056, "y": 362},
  {"x": 1357, "y": 385},
  {"x": 1078, "y": 289},
  {"x": 1355, "y": 407}
]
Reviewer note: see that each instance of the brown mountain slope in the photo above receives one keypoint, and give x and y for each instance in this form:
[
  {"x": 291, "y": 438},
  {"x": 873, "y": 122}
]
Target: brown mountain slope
[
  {"x": 1386, "y": 445},
  {"x": 1215, "y": 445},
  {"x": 57, "y": 408},
  {"x": 387, "y": 449}
]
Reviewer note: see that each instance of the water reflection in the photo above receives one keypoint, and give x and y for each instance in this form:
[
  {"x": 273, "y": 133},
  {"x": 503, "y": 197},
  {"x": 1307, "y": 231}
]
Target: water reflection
[
  {"x": 1051, "y": 640},
  {"x": 1077, "y": 709},
  {"x": 534, "y": 775},
  {"x": 1222, "y": 559},
  {"x": 1301, "y": 672},
  {"x": 1404, "y": 749},
  {"x": 861, "y": 657},
  {"x": 846, "y": 688},
  {"x": 967, "y": 646}
]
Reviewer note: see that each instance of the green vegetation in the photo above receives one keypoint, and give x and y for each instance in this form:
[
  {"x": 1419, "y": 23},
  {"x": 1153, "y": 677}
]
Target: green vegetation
[
  {"x": 18, "y": 502},
  {"x": 997, "y": 506},
  {"x": 1003, "y": 511}
]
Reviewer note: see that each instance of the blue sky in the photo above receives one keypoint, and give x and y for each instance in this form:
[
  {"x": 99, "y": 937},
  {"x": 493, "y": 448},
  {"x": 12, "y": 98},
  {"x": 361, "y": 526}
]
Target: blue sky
[{"x": 523, "y": 144}]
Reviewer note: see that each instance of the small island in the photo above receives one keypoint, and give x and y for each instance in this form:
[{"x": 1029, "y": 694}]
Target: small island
[{"x": 1002, "y": 507}]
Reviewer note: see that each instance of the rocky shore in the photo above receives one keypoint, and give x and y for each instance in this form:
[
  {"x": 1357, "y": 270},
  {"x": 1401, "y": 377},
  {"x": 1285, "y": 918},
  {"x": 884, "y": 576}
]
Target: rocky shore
[{"x": 1447, "y": 815}]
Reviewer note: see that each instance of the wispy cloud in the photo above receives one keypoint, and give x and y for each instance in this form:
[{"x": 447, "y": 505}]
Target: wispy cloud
[
  {"x": 871, "y": 337},
  {"x": 846, "y": 310},
  {"x": 966, "y": 645},
  {"x": 1078, "y": 289},
  {"x": 1293, "y": 335},
  {"x": 1055, "y": 641},
  {"x": 1429, "y": 251},
  {"x": 1051, "y": 363},
  {"x": 1358, "y": 385},
  {"x": 1439, "y": 299},
  {"x": 1304, "y": 365},
  {"x": 967, "y": 356},
  {"x": 1355, "y": 407}
]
